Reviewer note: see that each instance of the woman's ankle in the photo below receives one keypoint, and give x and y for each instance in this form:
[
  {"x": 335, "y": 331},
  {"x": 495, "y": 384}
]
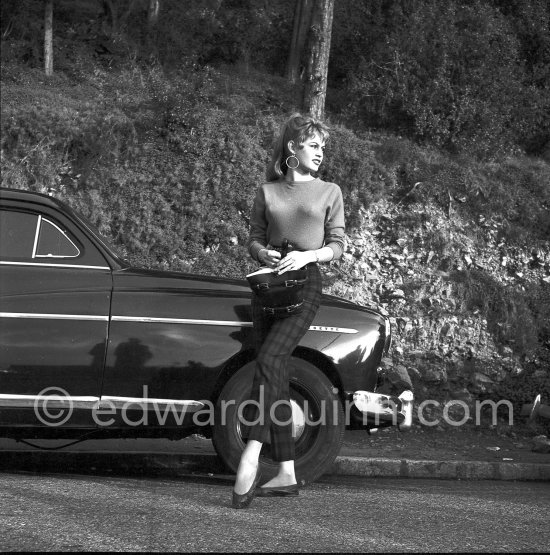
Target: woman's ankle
[{"x": 286, "y": 471}]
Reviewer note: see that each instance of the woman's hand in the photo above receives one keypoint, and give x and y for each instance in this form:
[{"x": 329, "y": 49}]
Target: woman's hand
[
  {"x": 269, "y": 258},
  {"x": 294, "y": 261}
]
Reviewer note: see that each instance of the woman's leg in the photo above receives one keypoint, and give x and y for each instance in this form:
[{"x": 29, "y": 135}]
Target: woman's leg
[
  {"x": 248, "y": 464},
  {"x": 283, "y": 343},
  {"x": 277, "y": 341}
]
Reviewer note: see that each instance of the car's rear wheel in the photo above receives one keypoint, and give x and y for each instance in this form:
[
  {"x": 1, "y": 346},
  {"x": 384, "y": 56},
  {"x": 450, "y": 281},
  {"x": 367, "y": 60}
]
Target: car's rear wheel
[{"x": 318, "y": 421}]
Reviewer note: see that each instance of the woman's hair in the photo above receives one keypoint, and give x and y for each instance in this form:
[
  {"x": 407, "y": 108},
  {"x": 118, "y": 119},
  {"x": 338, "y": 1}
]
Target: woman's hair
[{"x": 296, "y": 128}]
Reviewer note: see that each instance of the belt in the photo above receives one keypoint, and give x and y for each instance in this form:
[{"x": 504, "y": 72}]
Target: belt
[{"x": 283, "y": 310}]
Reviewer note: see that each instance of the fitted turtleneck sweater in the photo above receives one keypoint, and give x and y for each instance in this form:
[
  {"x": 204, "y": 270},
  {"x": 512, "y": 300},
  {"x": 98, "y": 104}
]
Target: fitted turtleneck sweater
[{"x": 310, "y": 214}]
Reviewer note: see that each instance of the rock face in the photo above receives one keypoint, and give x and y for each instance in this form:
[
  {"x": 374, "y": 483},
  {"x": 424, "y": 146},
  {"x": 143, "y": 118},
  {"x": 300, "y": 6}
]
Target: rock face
[
  {"x": 451, "y": 337},
  {"x": 541, "y": 444}
]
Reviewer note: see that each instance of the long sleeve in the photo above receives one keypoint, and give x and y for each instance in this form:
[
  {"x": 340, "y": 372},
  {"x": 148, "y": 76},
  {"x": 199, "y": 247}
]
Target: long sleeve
[
  {"x": 335, "y": 225},
  {"x": 258, "y": 225}
]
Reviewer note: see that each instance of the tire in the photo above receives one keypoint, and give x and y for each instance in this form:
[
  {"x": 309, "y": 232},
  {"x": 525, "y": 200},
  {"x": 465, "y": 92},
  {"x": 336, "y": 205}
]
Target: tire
[{"x": 316, "y": 445}]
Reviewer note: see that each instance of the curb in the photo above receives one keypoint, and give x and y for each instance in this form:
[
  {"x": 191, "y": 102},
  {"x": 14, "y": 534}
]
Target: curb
[
  {"x": 445, "y": 470},
  {"x": 166, "y": 464},
  {"x": 169, "y": 464}
]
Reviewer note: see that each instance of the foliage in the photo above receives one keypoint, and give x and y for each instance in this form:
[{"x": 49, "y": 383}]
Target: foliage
[
  {"x": 46, "y": 141},
  {"x": 212, "y": 32},
  {"x": 471, "y": 76},
  {"x": 513, "y": 191},
  {"x": 163, "y": 145},
  {"x": 451, "y": 73},
  {"x": 510, "y": 311},
  {"x": 350, "y": 161}
]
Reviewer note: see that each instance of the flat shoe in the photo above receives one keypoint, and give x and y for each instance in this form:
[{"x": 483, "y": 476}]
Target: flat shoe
[
  {"x": 243, "y": 501},
  {"x": 278, "y": 491}
]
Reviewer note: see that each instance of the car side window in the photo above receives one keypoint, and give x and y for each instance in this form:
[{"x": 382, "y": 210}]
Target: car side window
[
  {"x": 18, "y": 232},
  {"x": 30, "y": 236},
  {"x": 53, "y": 242}
]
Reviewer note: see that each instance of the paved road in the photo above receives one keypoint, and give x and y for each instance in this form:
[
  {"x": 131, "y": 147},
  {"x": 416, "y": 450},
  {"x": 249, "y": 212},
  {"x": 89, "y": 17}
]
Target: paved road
[{"x": 91, "y": 512}]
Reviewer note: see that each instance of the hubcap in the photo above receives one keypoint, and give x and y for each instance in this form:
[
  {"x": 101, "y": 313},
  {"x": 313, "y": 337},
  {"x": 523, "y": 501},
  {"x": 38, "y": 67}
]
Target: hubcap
[{"x": 298, "y": 420}]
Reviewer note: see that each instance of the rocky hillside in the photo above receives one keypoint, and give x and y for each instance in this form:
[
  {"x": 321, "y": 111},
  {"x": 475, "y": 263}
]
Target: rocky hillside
[{"x": 455, "y": 337}]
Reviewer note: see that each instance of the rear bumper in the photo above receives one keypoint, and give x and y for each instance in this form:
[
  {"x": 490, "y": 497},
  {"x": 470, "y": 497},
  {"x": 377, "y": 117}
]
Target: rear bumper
[{"x": 375, "y": 410}]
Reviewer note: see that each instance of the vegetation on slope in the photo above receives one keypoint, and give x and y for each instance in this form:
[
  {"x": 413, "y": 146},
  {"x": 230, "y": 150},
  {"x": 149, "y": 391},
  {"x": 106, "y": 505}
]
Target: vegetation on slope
[{"x": 165, "y": 159}]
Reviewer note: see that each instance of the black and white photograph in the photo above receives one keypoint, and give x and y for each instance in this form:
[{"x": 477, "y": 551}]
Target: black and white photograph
[{"x": 275, "y": 276}]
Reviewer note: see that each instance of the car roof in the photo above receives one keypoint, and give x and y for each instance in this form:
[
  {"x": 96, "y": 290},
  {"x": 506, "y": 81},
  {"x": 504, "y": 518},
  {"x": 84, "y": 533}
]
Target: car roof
[{"x": 30, "y": 196}]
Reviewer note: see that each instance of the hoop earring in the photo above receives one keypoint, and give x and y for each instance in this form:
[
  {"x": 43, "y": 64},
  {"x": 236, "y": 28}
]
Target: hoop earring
[{"x": 292, "y": 167}]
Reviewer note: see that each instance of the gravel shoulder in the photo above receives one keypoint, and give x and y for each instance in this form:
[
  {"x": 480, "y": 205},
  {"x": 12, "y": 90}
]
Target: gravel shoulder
[{"x": 446, "y": 444}]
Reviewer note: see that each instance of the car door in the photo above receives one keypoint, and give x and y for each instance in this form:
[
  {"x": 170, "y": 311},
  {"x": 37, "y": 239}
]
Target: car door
[
  {"x": 55, "y": 291},
  {"x": 170, "y": 338}
]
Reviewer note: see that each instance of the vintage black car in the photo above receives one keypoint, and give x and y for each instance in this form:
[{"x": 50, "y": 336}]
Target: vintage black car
[{"x": 93, "y": 347}]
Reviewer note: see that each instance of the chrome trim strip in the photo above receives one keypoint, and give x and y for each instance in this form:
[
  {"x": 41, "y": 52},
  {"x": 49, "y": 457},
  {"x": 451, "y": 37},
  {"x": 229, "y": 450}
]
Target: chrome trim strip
[
  {"x": 52, "y": 401},
  {"x": 147, "y": 403},
  {"x": 46, "y": 264},
  {"x": 36, "y": 233},
  {"x": 144, "y": 320},
  {"x": 333, "y": 329},
  {"x": 39, "y": 316},
  {"x": 89, "y": 402},
  {"x": 193, "y": 321}
]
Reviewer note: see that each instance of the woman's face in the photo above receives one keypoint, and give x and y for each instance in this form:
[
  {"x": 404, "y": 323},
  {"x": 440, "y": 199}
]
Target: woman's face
[{"x": 309, "y": 154}]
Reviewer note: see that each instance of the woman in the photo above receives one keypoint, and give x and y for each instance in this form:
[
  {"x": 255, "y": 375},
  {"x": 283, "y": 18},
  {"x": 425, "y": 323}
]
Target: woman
[{"x": 309, "y": 212}]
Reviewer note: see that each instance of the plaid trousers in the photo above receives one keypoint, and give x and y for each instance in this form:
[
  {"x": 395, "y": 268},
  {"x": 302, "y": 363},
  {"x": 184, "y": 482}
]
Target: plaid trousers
[{"x": 275, "y": 341}]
